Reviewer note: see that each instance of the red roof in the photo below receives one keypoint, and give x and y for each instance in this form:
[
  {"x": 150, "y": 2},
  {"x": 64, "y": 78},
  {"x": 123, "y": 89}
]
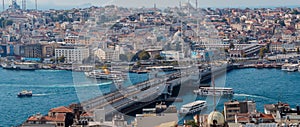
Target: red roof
[
  {"x": 61, "y": 109},
  {"x": 32, "y": 118},
  {"x": 87, "y": 114},
  {"x": 266, "y": 116}
]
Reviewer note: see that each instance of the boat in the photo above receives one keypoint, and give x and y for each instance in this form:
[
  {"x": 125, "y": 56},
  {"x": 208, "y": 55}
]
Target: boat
[
  {"x": 25, "y": 93},
  {"x": 292, "y": 67},
  {"x": 285, "y": 67},
  {"x": 105, "y": 74},
  {"x": 217, "y": 91},
  {"x": 192, "y": 107},
  {"x": 19, "y": 66}
]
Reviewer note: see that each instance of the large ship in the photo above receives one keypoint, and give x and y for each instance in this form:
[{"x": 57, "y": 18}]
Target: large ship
[
  {"x": 192, "y": 107},
  {"x": 217, "y": 91},
  {"x": 19, "y": 66}
]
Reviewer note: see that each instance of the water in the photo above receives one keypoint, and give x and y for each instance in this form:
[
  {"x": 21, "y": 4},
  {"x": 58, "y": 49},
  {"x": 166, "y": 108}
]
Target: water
[
  {"x": 56, "y": 88},
  {"x": 264, "y": 86},
  {"x": 51, "y": 88}
]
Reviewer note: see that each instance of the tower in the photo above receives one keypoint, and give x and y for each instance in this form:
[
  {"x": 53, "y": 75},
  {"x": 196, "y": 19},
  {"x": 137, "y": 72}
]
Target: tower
[
  {"x": 36, "y": 6},
  {"x": 24, "y": 4},
  {"x": 196, "y": 4},
  {"x": 179, "y": 4},
  {"x": 3, "y": 5}
]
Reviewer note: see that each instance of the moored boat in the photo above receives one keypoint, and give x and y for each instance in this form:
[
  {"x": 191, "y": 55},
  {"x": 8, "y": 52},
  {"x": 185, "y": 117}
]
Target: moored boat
[{"x": 292, "y": 67}]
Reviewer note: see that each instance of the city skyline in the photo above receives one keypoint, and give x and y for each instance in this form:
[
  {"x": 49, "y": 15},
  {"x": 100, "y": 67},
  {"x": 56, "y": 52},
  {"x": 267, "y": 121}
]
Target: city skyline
[{"x": 67, "y": 4}]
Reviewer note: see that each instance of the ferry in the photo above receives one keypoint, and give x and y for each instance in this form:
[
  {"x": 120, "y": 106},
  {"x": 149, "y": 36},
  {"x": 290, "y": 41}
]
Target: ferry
[
  {"x": 25, "y": 93},
  {"x": 105, "y": 74},
  {"x": 217, "y": 91},
  {"x": 19, "y": 66},
  {"x": 192, "y": 107}
]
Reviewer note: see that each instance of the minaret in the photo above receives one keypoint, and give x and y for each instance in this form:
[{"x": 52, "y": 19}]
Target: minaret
[
  {"x": 214, "y": 87},
  {"x": 196, "y": 4},
  {"x": 179, "y": 4},
  {"x": 36, "y": 6},
  {"x": 189, "y": 7},
  {"x": 24, "y": 4},
  {"x": 3, "y": 5}
]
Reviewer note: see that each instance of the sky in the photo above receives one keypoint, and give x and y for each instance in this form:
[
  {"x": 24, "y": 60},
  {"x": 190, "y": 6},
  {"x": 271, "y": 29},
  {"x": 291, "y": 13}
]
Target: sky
[{"x": 65, "y": 4}]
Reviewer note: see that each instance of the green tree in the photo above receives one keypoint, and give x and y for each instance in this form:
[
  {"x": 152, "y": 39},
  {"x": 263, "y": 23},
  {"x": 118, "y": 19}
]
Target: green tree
[
  {"x": 231, "y": 46},
  {"x": 158, "y": 57},
  {"x": 284, "y": 51},
  {"x": 61, "y": 59},
  {"x": 138, "y": 63},
  {"x": 123, "y": 57},
  {"x": 8, "y": 22},
  {"x": 192, "y": 123},
  {"x": 262, "y": 52},
  {"x": 144, "y": 55}
]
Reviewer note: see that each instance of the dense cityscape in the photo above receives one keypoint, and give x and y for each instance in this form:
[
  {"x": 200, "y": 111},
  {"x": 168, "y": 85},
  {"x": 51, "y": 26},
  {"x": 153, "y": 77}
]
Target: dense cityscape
[{"x": 163, "y": 53}]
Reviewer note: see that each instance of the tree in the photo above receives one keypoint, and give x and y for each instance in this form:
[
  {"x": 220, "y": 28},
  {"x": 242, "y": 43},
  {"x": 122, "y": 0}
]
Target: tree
[
  {"x": 298, "y": 50},
  {"x": 262, "y": 52},
  {"x": 123, "y": 57},
  {"x": 158, "y": 57},
  {"x": 284, "y": 51},
  {"x": 62, "y": 59},
  {"x": 231, "y": 46},
  {"x": 144, "y": 55},
  {"x": 192, "y": 123}
]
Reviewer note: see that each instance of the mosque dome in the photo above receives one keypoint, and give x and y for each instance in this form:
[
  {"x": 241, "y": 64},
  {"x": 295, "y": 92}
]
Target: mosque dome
[{"x": 216, "y": 117}]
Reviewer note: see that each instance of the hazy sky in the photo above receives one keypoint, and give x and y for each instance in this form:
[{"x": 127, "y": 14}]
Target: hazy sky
[{"x": 60, "y": 4}]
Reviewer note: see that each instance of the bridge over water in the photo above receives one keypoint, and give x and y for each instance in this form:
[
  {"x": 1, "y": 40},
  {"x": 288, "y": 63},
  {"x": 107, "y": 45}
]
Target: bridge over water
[{"x": 144, "y": 93}]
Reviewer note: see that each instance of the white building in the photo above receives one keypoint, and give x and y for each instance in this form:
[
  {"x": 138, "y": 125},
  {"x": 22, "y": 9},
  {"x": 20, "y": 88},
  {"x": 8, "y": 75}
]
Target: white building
[
  {"x": 72, "y": 54},
  {"x": 176, "y": 55},
  {"x": 107, "y": 54}
]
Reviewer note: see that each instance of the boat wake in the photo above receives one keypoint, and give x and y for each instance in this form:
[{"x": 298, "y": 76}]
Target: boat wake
[
  {"x": 43, "y": 94},
  {"x": 253, "y": 96},
  {"x": 55, "y": 85}
]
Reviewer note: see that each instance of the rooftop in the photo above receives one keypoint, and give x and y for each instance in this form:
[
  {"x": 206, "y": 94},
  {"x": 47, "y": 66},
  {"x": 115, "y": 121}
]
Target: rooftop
[{"x": 61, "y": 109}]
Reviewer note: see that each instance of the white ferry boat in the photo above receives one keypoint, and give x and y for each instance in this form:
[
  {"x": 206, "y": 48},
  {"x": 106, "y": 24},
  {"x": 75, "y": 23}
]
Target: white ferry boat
[
  {"x": 105, "y": 74},
  {"x": 217, "y": 91},
  {"x": 19, "y": 66},
  {"x": 193, "y": 107}
]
